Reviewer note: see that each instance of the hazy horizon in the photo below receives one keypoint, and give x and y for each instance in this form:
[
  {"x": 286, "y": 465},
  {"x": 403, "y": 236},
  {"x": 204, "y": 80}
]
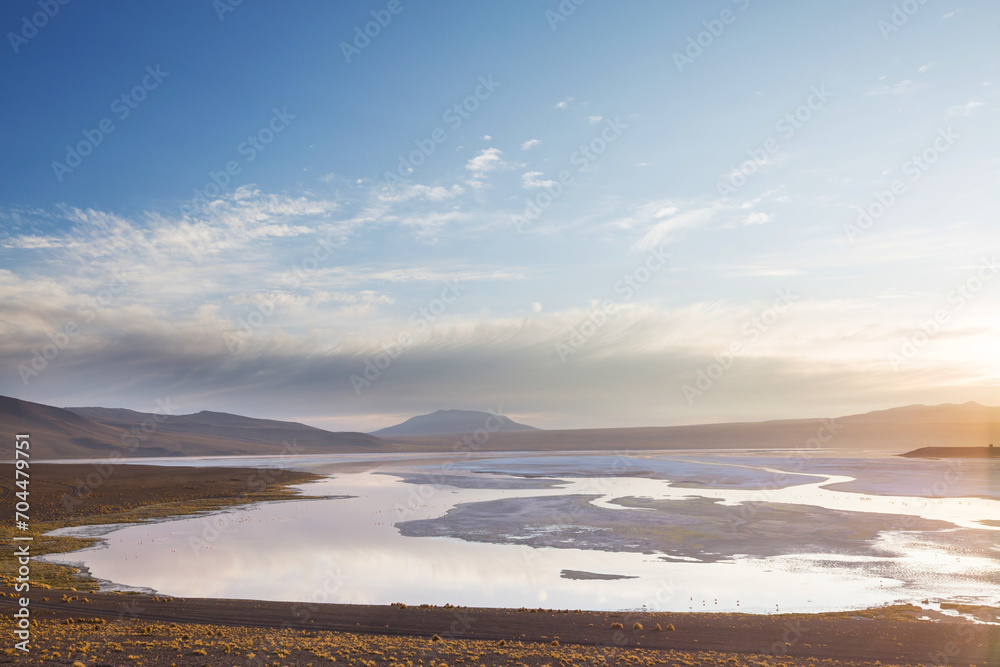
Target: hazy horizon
[
  {"x": 168, "y": 407},
  {"x": 620, "y": 215}
]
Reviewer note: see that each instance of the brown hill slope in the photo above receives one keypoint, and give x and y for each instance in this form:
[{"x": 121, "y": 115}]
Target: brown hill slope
[
  {"x": 56, "y": 433},
  {"x": 100, "y": 432}
]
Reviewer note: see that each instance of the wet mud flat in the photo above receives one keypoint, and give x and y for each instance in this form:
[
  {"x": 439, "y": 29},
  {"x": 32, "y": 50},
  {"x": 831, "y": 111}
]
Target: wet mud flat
[{"x": 695, "y": 529}]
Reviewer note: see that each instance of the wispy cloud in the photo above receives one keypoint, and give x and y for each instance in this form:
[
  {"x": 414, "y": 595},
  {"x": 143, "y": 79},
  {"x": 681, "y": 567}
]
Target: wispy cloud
[
  {"x": 533, "y": 179},
  {"x": 664, "y": 219},
  {"x": 410, "y": 191},
  {"x": 904, "y": 87},
  {"x": 964, "y": 109},
  {"x": 486, "y": 161},
  {"x": 757, "y": 218}
]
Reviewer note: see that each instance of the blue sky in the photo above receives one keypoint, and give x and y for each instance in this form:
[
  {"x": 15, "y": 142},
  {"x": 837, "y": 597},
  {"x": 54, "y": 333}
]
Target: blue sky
[{"x": 600, "y": 214}]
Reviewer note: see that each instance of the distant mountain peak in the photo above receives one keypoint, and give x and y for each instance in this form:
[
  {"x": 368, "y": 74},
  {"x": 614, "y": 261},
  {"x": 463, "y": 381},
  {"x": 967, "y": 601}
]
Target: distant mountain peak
[{"x": 452, "y": 422}]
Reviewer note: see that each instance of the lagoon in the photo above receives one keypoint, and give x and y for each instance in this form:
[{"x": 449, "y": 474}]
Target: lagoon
[{"x": 757, "y": 532}]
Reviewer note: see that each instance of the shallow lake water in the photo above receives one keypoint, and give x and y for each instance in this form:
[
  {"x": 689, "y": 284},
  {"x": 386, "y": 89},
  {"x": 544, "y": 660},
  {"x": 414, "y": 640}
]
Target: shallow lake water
[{"x": 350, "y": 550}]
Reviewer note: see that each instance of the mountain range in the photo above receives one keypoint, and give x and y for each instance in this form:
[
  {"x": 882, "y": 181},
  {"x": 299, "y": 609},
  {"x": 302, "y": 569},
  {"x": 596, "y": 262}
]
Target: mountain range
[
  {"x": 73, "y": 433},
  {"x": 896, "y": 429}
]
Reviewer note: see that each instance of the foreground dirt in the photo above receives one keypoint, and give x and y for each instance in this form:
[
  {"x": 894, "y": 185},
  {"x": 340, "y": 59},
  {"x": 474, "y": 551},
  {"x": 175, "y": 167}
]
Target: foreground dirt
[{"x": 118, "y": 629}]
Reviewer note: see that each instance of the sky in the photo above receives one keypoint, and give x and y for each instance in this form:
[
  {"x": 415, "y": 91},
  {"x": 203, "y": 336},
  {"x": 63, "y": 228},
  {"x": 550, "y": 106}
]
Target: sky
[{"x": 577, "y": 213}]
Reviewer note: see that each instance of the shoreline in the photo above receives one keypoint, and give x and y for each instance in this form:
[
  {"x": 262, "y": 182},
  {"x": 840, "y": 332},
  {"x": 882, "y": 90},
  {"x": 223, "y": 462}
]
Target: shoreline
[
  {"x": 68, "y": 613},
  {"x": 989, "y": 452},
  {"x": 124, "y": 495}
]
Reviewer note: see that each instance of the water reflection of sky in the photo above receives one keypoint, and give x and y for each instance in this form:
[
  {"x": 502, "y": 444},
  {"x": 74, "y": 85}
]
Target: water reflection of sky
[{"x": 347, "y": 550}]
